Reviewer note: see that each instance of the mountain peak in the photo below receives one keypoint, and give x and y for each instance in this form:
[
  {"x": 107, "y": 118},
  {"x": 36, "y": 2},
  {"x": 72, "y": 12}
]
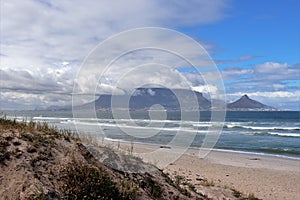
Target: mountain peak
[
  {"x": 245, "y": 96},
  {"x": 245, "y": 103}
]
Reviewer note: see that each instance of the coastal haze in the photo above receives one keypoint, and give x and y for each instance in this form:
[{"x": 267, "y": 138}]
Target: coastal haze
[{"x": 198, "y": 97}]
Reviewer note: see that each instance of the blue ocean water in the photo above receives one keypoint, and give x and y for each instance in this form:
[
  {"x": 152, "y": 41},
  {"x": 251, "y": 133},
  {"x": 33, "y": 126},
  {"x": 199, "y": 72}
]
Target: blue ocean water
[{"x": 276, "y": 133}]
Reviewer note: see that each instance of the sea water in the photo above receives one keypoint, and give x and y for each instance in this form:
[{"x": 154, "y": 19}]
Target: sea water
[{"x": 275, "y": 133}]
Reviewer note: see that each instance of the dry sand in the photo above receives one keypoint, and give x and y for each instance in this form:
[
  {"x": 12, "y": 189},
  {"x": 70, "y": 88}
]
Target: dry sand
[{"x": 267, "y": 177}]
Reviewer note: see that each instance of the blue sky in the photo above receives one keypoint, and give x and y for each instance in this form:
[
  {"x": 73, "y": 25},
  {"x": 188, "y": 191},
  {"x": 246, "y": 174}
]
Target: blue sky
[
  {"x": 269, "y": 29},
  {"x": 266, "y": 31},
  {"x": 255, "y": 44}
]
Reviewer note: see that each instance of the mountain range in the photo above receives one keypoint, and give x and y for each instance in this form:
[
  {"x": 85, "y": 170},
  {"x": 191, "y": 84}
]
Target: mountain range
[{"x": 145, "y": 98}]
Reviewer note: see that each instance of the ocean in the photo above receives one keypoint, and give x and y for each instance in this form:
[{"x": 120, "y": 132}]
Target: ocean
[{"x": 275, "y": 133}]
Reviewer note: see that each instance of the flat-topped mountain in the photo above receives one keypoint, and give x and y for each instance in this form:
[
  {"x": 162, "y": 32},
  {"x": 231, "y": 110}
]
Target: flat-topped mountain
[
  {"x": 144, "y": 98},
  {"x": 247, "y": 104}
]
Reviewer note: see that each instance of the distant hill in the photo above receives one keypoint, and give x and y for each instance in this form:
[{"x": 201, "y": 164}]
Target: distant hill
[{"x": 247, "y": 104}]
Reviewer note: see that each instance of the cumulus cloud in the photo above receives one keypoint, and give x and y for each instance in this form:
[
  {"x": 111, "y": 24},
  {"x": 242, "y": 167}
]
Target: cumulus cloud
[
  {"x": 211, "y": 91},
  {"x": 151, "y": 92},
  {"x": 268, "y": 75},
  {"x": 155, "y": 58},
  {"x": 277, "y": 71},
  {"x": 235, "y": 72},
  {"x": 271, "y": 82},
  {"x": 41, "y": 39},
  {"x": 45, "y": 31},
  {"x": 42, "y": 81}
]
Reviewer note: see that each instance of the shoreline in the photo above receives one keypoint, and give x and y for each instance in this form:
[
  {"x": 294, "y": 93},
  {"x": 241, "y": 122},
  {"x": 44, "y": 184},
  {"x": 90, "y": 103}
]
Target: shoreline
[
  {"x": 266, "y": 178},
  {"x": 257, "y": 154},
  {"x": 250, "y": 160},
  {"x": 261, "y": 154}
]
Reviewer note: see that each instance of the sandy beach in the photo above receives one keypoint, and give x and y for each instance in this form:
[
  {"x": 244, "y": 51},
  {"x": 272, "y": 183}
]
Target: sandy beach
[{"x": 267, "y": 177}]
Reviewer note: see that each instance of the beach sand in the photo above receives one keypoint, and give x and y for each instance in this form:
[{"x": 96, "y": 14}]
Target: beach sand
[{"x": 267, "y": 177}]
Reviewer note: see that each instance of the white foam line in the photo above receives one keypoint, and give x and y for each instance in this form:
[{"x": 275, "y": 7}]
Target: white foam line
[
  {"x": 246, "y": 152},
  {"x": 285, "y": 134},
  {"x": 141, "y": 127}
]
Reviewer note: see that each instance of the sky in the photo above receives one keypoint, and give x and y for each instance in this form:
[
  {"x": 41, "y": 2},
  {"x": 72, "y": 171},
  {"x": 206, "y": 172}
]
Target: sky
[{"x": 255, "y": 45}]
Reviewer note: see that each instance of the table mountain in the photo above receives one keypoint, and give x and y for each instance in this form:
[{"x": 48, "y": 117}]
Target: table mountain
[{"x": 144, "y": 98}]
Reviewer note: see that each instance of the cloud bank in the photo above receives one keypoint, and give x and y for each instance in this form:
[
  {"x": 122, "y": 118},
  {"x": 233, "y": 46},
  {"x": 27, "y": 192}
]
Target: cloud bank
[
  {"x": 43, "y": 42},
  {"x": 274, "y": 83}
]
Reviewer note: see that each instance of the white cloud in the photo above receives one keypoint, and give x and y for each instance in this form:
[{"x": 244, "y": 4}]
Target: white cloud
[
  {"x": 276, "y": 84},
  {"x": 234, "y": 72},
  {"x": 46, "y": 38},
  {"x": 212, "y": 92},
  {"x": 277, "y": 99},
  {"x": 277, "y": 71},
  {"x": 42, "y": 81},
  {"x": 151, "y": 92},
  {"x": 271, "y": 67},
  {"x": 206, "y": 89},
  {"x": 268, "y": 76},
  {"x": 61, "y": 29},
  {"x": 135, "y": 66},
  {"x": 32, "y": 100}
]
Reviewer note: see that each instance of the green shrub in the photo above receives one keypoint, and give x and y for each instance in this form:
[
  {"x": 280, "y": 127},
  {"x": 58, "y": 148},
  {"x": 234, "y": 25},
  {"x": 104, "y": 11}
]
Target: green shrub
[
  {"x": 84, "y": 181},
  {"x": 153, "y": 188}
]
